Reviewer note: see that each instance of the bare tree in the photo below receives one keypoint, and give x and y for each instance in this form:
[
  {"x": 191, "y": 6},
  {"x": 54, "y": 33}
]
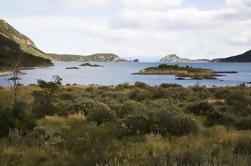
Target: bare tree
[{"x": 14, "y": 80}]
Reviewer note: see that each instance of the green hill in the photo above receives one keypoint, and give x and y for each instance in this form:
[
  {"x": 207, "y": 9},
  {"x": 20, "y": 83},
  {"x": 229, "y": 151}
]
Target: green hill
[
  {"x": 101, "y": 57},
  {"x": 245, "y": 57},
  {"x": 15, "y": 47}
]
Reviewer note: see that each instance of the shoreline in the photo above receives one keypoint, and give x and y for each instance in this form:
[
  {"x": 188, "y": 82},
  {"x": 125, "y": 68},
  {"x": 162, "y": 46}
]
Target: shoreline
[{"x": 4, "y": 73}]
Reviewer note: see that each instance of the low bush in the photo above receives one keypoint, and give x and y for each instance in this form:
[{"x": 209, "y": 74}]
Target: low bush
[
  {"x": 244, "y": 123},
  {"x": 101, "y": 115},
  {"x": 138, "y": 95},
  {"x": 4, "y": 123},
  {"x": 164, "y": 85},
  {"x": 141, "y": 85},
  {"x": 174, "y": 123},
  {"x": 243, "y": 146},
  {"x": 201, "y": 108},
  {"x": 134, "y": 125},
  {"x": 130, "y": 108}
]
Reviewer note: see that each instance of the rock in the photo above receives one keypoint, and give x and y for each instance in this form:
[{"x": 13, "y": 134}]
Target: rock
[
  {"x": 71, "y": 68},
  {"x": 136, "y": 60},
  {"x": 180, "y": 78},
  {"x": 226, "y": 72},
  {"x": 90, "y": 65}
]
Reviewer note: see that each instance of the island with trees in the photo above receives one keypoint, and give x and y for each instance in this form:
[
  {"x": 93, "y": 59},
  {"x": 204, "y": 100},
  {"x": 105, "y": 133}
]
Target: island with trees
[{"x": 182, "y": 72}]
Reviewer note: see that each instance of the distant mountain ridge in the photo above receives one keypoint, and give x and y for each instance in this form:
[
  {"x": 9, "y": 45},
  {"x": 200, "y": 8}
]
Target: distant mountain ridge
[
  {"x": 173, "y": 58},
  {"x": 15, "y": 47},
  {"x": 245, "y": 57},
  {"x": 100, "y": 57}
]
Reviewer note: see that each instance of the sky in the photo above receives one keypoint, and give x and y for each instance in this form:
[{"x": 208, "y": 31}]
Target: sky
[{"x": 143, "y": 29}]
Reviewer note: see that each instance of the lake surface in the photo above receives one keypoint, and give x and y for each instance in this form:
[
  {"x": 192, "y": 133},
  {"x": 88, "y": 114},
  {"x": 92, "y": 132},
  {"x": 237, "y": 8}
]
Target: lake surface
[{"x": 117, "y": 73}]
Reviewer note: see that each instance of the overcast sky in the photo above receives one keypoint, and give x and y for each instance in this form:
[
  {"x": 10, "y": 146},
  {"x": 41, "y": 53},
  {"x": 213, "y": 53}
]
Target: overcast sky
[{"x": 144, "y": 29}]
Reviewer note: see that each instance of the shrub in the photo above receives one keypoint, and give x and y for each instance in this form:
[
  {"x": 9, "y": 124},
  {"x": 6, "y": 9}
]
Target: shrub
[
  {"x": 189, "y": 157},
  {"x": 243, "y": 146},
  {"x": 122, "y": 86},
  {"x": 164, "y": 85},
  {"x": 45, "y": 98},
  {"x": 130, "y": 108},
  {"x": 138, "y": 95},
  {"x": 244, "y": 123},
  {"x": 201, "y": 108},
  {"x": 156, "y": 93},
  {"x": 174, "y": 123},
  {"x": 141, "y": 84},
  {"x": 240, "y": 101},
  {"x": 89, "y": 144},
  {"x": 220, "y": 118},
  {"x": 4, "y": 123},
  {"x": 85, "y": 105},
  {"x": 15, "y": 117},
  {"x": 101, "y": 114},
  {"x": 134, "y": 125}
]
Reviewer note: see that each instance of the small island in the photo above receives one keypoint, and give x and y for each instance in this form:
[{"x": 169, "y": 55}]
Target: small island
[
  {"x": 90, "y": 65},
  {"x": 180, "y": 72},
  {"x": 71, "y": 68}
]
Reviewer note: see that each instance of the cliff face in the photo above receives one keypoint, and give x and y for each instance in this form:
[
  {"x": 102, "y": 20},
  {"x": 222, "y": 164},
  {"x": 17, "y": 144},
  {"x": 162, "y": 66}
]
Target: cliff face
[
  {"x": 90, "y": 58},
  {"x": 14, "y": 47}
]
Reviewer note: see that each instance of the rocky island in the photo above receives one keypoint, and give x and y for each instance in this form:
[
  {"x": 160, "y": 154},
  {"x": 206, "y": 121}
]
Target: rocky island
[
  {"x": 180, "y": 72},
  {"x": 90, "y": 65}
]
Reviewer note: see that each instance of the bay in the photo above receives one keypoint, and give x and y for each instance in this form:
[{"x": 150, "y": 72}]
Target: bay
[{"x": 118, "y": 73}]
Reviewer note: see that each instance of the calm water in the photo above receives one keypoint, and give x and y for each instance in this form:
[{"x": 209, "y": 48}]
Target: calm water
[{"x": 116, "y": 73}]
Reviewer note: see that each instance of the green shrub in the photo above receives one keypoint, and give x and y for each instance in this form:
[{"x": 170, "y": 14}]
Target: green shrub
[
  {"x": 89, "y": 144},
  {"x": 243, "y": 146},
  {"x": 164, "y": 85},
  {"x": 138, "y": 95},
  {"x": 240, "y": 101},
  {"x": 174, "y": 123},
  {"x": 123, "y": 86},
  {"x": 130, "y": 108},
  {"x": 220, "y": 118},
  {"x": 45, "y": 98},
  {"x": 201, "y": 108},
  {"x": 4, "y": 123},
  {"x": 101, "y": 114},
  {"x": 244, "y": 123},
  {"x": 141, "y": 85},
  {"x": 156, "y": 93},
  {"x": 189, "y": 157},
  {"x": 86, "y": 105},
  {"x": 135, "y": 125},
  {"x": 15, "y": 118}
]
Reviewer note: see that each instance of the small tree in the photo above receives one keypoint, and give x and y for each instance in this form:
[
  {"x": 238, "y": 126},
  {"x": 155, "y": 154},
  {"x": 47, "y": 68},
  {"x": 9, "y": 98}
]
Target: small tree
[
  {"x": 45, "y": 97},
  {"x": 14, "y": 80}
]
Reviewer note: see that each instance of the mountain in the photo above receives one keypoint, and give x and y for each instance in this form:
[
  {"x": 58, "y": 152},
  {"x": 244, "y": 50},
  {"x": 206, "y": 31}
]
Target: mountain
[
  {"x": 245, "y": 57},
  {"x": 15, "y": 47},
  {"x": 102, "y": 57}
]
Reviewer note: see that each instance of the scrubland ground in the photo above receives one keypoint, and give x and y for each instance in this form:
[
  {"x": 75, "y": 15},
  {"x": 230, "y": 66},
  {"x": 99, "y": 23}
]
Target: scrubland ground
[{"x": 50, "y": 124}]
